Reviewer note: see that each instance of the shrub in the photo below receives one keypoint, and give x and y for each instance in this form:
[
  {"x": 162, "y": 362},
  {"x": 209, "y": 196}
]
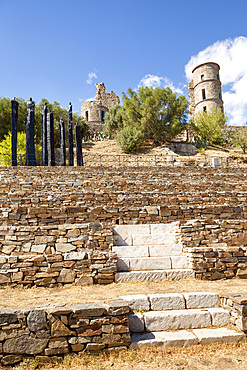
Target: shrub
[{"x": 129, "y": 139}]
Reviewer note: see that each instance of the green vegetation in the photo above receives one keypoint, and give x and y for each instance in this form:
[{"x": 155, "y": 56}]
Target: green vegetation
[
  {"x": 58, "y": 112},
  {"x": 129, "y": 138},
  {"x": 5, "y": 150},
  {"x": 209, "y": 126},
  {"x": 239, "y": 138},
  {"x": 149, "y": 113}
]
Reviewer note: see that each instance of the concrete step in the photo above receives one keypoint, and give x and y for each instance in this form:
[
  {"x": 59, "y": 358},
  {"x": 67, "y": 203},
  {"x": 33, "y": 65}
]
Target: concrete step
[
  {"x": 153, "y": 229},
  {"x": 145, "y": 239},
  {"x": 185, "y": 338},
  {"x": 153, "y": 321},
  {"x": 133, "y": 251},
  {"x": 171, "y": 301},
  {"x": 148, "y": 250},
  {"x": 152, "y": 263},
  {"x": 155, "y": 275},
  {"x": 161, "y": 239}
]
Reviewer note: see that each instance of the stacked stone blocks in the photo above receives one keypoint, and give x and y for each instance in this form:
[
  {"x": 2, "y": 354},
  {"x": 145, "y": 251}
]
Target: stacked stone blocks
[
  {"x": 236, "y": 304},
  {"x": 56, "y": 255},
  {"x": 216, "y": 249},
  {"x": 50, "y": 332},
  {"x": 52, "y": 196}
]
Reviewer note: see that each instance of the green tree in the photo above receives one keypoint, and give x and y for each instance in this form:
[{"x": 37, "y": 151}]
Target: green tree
[
  {"x": 5, "y": 150},
  {"x": 58, "y": 112},
  {"x": 210, "y": 126},
  {"x": 113, "y": 120},
  {"x": 5, "y": 116},
  {"x": 168, "y": 112},
  {"x": 239, "y": 138},
  {"x": 157, "y": 114}
]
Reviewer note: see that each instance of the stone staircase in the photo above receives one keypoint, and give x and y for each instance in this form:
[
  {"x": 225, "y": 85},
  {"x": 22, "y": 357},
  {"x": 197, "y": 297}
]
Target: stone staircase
[
  {"x": 150, "y": 252},
  {"x": 178, "y": 320}
]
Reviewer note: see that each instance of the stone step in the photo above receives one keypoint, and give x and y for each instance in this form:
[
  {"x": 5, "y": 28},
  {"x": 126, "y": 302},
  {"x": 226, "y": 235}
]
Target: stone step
[
  {"x": 155, "y": 275},
  {"x": 152, "y": 263},
  {"x": 145, "y": 239},
  {"x": 148, "y": 250},
  {"x": 171, "y": 301},
  {"x": 153, "y": 229},
  {"x": 185, "y": 338},
  {"x": 153, "y": 321}
]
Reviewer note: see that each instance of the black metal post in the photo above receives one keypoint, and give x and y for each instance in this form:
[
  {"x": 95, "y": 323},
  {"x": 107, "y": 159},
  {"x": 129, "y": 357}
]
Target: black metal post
[
  {"x": 14, "y": 106},
  {"x": 79, "y": 157},
  {"x": 50, "y": 139},
  {"x": 44, "y": 160},
  {"x": 71, "y": 145},
  {"x": 62, "y": 144},
  {"x": 30, "y": 146}
]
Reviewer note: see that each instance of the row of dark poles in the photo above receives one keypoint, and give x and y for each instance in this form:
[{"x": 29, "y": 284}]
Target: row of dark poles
[{"x": 48, "y": 151}]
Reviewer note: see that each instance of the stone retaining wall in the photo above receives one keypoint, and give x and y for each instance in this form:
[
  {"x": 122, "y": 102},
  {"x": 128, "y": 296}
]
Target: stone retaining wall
[
  {"x": 216, "y": 249},
  {"x": 46, "y": 199},
  {"x": 236, "y": 304},
  {"x": 56, "y": 255},
  {"x": 52, "y": 196},
  {"x": 50, "y": 332},
  {"x": 82, "y": 253}
]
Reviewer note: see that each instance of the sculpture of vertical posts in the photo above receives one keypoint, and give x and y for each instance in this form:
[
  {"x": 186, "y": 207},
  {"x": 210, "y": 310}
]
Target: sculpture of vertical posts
[
  {"x": 44, "y": 161},
  {"x": 71, "y": 146},
  {"x": 14, "y": 106},
  {"x": 30, "y": 146},
  {"x": 62, "y": 144},
  {"x": 78, "y": 145},
  {"x": 50, "y": 139}
]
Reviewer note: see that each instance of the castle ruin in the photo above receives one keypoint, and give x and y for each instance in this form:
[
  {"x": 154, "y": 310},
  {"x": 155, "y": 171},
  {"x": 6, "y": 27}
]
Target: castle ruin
[
  {"x": 205, "y": 89},
  {"x": 94, "y": 110}
]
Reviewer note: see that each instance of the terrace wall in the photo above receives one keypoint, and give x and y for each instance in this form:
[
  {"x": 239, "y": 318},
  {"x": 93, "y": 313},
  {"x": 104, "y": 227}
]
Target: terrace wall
[
  {"x": 55, "y": 196},
  {"x": 216, "y": 249},
  {"x": 56, "y": 255},
  {"x": 52, "y": 331},
  {"x": 56, "y": 223}
]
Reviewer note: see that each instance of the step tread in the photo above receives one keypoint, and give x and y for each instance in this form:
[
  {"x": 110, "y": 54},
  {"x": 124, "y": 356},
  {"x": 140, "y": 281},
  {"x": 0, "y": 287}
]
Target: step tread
[
  {"x": 172, "y": 301},
  {"x": 155, "y": 275},
  {"x": 165, "y": 339},
  {"x": 210, "y": 335},
  {"x": 153, "y": 321},
  {"x": 131, "y": 251},
  {"x": 148, "y": 229},
  {"x": 185, "y": 338},
  {"x": 151, "y": 263},
  {"x": 185, "y": 319}
]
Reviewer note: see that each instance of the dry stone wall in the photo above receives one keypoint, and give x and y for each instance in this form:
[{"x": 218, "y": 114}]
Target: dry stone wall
[
  {"x": 236, "y": 304},
  {"x": 56, "y": 255},
  {"x": 52, "y": 331},
  {"x": 53, "y": 196},
  {"x": 216, "y": 249},
  {"x": 51, "y": 216}
]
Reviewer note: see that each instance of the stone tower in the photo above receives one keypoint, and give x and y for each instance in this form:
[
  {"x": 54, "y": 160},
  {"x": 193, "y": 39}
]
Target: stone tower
[
  {"x": 205, "y": 89},
  {"x": 94, "y": 110}
]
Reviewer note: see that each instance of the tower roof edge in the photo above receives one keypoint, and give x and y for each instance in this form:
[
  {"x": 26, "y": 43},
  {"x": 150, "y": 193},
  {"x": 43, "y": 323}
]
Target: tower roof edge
[{"x": 202, "y": 64}]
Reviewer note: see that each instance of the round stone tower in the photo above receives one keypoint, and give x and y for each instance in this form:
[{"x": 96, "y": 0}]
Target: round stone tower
[{"x": 205, "y": 89}]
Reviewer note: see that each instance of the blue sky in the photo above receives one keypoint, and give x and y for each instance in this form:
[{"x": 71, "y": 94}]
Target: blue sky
[{"x": 50, "y": 48}]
